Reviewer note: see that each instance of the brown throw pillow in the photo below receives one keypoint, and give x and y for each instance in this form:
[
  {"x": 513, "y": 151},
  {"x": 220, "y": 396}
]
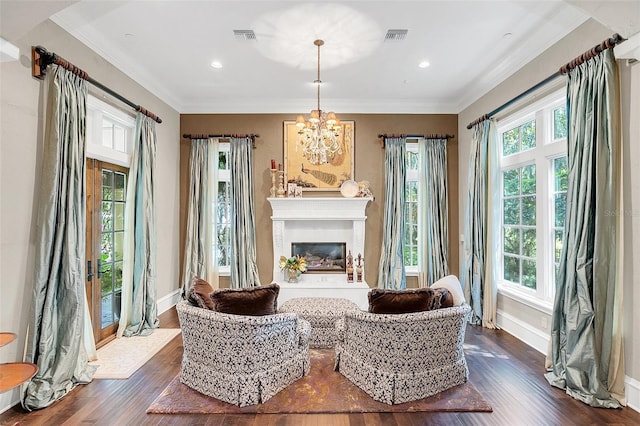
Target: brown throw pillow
[
  {"x": 247, "y": 301},
  {"x": 200, "y": 294},
  {"x": 441, "y": 298},
  {"x": 383, "y": 301}
]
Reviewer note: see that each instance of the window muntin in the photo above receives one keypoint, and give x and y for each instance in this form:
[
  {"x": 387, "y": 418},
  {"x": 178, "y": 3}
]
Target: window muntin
[{"x": 532, "y": 151}]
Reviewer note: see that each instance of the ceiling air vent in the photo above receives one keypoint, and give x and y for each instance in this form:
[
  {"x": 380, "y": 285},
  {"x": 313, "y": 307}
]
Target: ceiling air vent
[
  {"x": 246, "y": 35},
  {"x": 395, "y": 35}
]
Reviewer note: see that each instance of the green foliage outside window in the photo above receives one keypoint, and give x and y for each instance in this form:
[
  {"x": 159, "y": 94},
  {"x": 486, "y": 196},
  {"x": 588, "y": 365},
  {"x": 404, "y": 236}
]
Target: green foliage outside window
[{"x": 519, "y": 138}]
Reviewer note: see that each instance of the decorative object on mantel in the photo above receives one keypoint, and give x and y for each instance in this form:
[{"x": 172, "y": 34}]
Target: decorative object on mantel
[
  {"x": 318, "y": 137},
  {"x": 274, "y": 182},
  {"x": 364, "y": 189},
  {"x": 359, "y": 268},
  {"x": 349, "y": 188},
  {"x": 281, "y": 190},
  {"x": 293, "y": 266},
  {"x": 349, "y": 267}
]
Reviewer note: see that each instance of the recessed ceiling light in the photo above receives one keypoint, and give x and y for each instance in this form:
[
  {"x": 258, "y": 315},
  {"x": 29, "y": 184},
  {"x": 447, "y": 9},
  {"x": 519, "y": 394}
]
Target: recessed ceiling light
[
  {"x": 507, "y": 35},
  {"x": 216, "y": 64},
  {"x": 424, "y": 64}
]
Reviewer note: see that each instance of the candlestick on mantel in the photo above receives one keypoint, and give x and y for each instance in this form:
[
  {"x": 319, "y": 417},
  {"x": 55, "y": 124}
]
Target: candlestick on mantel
[
  {"x": 281, "y": 190},
  {"x": 274, "y": 180},
  {"x": 273, "y": 164}
]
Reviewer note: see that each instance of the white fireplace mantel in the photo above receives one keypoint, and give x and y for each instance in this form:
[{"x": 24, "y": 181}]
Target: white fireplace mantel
[{"x": 319, "y": 219}]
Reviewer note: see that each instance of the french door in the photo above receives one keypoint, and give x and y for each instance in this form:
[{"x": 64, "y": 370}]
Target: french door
[{"x": 106, "y": 197}]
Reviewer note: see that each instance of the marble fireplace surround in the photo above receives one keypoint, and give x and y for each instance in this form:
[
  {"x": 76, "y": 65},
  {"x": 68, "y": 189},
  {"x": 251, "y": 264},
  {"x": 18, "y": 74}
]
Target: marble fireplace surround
[{"x": 319, "y": 219}]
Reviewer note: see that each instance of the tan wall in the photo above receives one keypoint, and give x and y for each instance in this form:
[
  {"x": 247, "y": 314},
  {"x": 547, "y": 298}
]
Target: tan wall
[{"x": 369, "y": 165}]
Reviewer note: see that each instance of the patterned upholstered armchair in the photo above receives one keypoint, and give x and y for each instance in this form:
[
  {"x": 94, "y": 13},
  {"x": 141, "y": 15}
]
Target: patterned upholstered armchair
[
  {"x": 397, "y": 358},
  {"x": 243, "y": 360}
]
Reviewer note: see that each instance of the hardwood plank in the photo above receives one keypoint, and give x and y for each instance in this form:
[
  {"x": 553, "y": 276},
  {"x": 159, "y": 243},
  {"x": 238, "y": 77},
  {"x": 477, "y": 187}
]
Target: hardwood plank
[{"x": 507, "y": 372}]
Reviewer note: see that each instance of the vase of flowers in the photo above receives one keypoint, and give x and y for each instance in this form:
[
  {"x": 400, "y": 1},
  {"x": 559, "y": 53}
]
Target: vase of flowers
[{"x": 293, "y": 267}]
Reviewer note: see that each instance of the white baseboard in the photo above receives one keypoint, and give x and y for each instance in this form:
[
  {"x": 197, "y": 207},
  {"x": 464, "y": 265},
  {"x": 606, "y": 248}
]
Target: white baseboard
[
  {"x": 632, "y": 393},
  {"x": 533, "y": 337},
  {"x": 169, "y": 301},
  {"x": 539, "y": 340}
]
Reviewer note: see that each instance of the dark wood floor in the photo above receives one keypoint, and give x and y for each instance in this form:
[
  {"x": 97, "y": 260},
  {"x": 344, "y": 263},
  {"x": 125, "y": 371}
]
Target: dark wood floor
[{"x": 507, "y": 372}]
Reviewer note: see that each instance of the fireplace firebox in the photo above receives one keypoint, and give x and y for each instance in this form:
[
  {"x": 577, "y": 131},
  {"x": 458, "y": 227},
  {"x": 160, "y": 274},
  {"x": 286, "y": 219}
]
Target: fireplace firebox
[{"x": 322, "y": 257}]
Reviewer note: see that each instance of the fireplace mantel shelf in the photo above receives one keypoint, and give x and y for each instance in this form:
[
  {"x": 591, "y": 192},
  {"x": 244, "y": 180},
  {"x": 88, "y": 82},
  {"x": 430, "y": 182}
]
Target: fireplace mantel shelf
[{"x": 310, "y": 208}]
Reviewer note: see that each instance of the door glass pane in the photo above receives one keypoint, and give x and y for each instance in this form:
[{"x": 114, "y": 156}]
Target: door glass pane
[{"x": 112, "y": 244}]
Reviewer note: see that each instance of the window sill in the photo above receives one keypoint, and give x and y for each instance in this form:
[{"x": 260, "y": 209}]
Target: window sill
[{"x": 539, "y": 305}]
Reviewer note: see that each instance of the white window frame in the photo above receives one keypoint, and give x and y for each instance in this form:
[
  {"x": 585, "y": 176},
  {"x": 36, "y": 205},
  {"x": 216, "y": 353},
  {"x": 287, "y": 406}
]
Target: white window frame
[
  {"x": 547, "y": 149},
  {"x": 223, "y": 176},
  {"x": 97, "y": 112},
  {"x": 413, "y": 176}
]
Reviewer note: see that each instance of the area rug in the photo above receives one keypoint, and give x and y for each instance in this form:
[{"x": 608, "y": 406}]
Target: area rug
[
  {"x": 322, "y": 391},
  {"x": 122, "y": 357}
]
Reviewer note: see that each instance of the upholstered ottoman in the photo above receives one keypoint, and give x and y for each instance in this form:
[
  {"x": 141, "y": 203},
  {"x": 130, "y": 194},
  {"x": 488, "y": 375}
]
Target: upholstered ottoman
[{"x": 322, "y": 313}]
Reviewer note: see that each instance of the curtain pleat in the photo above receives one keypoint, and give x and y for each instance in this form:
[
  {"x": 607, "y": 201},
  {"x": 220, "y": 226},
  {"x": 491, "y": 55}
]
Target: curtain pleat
[
  {"x": 244, "y": 269},
  {"x": 433, "y": 198},
  {"x": 391, "y": 272},
  {"x": 586, "y": 344},
  {"x": 198, "y": 212},
  {"x": 55, "y": 341},
  {"x": 139, "y": 312},
  {"x": 475, "y": 231}
]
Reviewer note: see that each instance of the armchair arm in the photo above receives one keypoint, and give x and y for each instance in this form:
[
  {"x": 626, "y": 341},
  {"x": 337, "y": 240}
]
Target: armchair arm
[{"x": 304, "y": 331}]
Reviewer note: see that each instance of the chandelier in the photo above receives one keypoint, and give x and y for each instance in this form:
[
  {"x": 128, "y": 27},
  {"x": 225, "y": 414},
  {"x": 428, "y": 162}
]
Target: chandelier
[{"x": 318, "y": 137}]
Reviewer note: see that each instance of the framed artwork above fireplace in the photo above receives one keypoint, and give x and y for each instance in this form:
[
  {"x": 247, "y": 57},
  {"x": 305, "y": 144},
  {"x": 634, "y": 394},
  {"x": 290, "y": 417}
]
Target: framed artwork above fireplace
[{"x": 318, "y": 177}]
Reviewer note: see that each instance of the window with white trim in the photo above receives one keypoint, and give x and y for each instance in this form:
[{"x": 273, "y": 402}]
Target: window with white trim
[
  {"x": 222, "y": 225},
  {"x": 411, "y": 209},
  {"x": 533, "y": 186},
  {"x": 109, "y": 132}
]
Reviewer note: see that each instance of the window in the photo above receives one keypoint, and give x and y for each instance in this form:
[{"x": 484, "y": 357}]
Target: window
[
  {"x": 109, "y": 133},
  {"x": 411, "y": 209},
  {"x": 222, "y": 209},
  {"x": 533, "y": 185}
]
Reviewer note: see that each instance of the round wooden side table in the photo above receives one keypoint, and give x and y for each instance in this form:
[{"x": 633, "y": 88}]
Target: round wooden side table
[
  {"x": 6, "y": 338},
  {"x": 14, "y": 374}
]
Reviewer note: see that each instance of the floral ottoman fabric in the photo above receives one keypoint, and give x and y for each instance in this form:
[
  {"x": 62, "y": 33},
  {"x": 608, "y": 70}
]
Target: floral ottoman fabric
[{"x": 322, "y": 313}]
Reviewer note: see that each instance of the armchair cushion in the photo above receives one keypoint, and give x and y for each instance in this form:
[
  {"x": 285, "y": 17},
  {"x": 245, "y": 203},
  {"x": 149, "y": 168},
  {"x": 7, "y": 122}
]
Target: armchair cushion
[
  {"x": 247, "y": 301},
  {"x": 384, "y": 301},
  {"x": 200, "y": 293}
]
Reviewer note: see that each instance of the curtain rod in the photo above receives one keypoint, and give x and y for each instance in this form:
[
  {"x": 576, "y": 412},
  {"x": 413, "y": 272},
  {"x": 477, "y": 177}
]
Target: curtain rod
[
  {"x": 41, "y": 59},
  {"x": 594, "y": 51},
  {"x": 253, "y": 137},
  {"x": 427, "y": 136}
]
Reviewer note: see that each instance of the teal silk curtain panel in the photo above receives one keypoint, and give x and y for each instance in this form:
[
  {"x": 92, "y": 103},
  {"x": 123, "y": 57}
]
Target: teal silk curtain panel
[
  {"x": 55, "y": 340},
  {"x": 244, "y": 269},
  {"x": 391, "y": 272},
  {"x": 195, "y": 250},
  {"x": 434, "y": 218},
  {"x": 475, "y": 230},
  {"x": 139, "y": 285},
  {"x": 584, "y": 326}
]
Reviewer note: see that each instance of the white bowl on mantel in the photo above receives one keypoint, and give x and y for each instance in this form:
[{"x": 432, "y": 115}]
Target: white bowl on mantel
[{"x": 349, "y": 188}]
